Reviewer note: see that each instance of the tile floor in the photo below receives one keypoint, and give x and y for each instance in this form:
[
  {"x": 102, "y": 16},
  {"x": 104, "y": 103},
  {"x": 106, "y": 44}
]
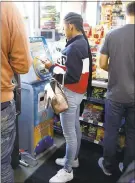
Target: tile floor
[{"x": 22, "y": 173}]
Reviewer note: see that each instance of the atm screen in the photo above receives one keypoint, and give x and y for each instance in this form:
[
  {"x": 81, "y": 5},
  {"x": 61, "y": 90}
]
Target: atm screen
[{"x": 38, "y": 49}]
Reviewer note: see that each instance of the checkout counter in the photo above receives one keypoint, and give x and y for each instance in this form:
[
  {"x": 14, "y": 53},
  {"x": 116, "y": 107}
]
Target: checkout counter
[{"x": 35, "y": 123}]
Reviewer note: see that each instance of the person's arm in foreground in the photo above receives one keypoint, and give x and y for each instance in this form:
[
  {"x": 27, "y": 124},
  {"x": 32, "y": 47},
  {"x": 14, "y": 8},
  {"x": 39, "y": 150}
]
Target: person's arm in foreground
[
  {"x": 104, "y": 55},
  {"x": 20, "y": 58}
]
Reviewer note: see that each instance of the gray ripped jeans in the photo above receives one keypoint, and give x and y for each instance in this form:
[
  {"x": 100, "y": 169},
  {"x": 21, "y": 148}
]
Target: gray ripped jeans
[
  {"x": 71, "y": 127},
  {"x": 8, "y": 132}
]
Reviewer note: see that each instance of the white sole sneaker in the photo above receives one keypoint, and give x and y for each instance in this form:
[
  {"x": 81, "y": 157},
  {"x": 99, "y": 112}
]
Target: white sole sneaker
[
  {"x": 100, "y": 163},
  {"x": 61, "y": 162},
  {"x": 62, "y": 177}
]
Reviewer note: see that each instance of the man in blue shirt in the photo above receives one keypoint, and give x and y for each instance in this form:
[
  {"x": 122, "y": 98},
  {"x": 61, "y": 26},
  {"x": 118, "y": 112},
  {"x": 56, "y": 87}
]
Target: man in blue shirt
[{"x": 118, "y": 58}]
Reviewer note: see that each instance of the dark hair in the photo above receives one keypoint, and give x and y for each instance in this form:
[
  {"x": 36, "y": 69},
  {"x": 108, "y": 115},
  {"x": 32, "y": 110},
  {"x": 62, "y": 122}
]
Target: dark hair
[
  {"x": 130, "y": 9},
  {"x": 77, "y": 21}
]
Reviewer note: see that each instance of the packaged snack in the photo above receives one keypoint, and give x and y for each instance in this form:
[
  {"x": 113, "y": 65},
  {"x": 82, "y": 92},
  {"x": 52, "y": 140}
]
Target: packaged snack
[
  {"x": 84, "y": 129},
  {"x": 87, "y": 113},
  {"x": 97, "y": 113},
  {"x": 58, "y": 124},
  {"x": 92, "y": 132},
  {"x": 100, "y": 134},
  {"x": 56, "y": 118},
  {"x": 98, "y": 93},
  {"x": 93, "y": 112}
]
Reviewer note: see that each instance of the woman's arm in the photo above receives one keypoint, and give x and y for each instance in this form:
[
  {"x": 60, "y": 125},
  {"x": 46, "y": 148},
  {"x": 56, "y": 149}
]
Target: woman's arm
[{"x": 73, "y": 65}]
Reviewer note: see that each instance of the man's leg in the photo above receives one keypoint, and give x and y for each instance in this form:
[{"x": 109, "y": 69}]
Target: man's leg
[
  {"x": 8, "y": 132},
  {"x": 113, "y": 115},
  {"x": 130, "y": 135}
]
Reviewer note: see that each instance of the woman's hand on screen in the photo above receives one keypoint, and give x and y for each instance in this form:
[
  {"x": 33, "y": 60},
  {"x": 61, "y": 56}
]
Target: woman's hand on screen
[{"x": 47, "y": 63}]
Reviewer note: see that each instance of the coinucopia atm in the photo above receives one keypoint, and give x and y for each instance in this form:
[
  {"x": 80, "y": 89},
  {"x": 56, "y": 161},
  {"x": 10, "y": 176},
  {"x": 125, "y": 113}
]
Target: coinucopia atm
[{"x": 35, "y": 122}]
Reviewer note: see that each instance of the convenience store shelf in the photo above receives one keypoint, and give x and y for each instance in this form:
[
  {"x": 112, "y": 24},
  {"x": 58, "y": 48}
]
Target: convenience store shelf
[
  {"x": 84, "y": 137},
  {"x": 92, "y": 122},
  {"x": 98, "y": 101},
  {"x": 100, "y": 84}
]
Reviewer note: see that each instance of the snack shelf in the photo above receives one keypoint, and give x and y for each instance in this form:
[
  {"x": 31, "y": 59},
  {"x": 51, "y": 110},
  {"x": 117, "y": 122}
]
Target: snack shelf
[
  {"x": 99, "y": 101},
  {"x": 84, "y": 137},
  {"x": 100, "y": 84},
  {"x": 92, "y": 122}
]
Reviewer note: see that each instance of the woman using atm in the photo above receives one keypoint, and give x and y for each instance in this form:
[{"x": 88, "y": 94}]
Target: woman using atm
[{"x": 76, "y": 60}]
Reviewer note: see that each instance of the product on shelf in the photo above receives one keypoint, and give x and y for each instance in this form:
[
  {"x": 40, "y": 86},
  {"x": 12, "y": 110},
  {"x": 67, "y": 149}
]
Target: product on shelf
[
  {"x": 87, "y": 112},
  {"x": 49, "y": 17},
  {"x": 87, "y": 29},
  {"x": 56, "y": 118},
  {"x": 98, "y": 93},
  {"x": 113, "y": 14},
  {"x": 95, "y": 38},
  {"x": 92, "y": 130},
  {"x": 84, "y": 129},
  {"x": 121, "y": 141},
  {"x": 57, "y": 122},
  {"x": 94, "y": 48},
  {"x": 93, "y": 112},
  {"x": 106, "y": 14},
  {"x": 100, "y": 134}
]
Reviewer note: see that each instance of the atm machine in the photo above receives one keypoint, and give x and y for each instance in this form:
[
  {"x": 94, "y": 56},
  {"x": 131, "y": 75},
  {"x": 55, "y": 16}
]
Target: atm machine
[{"x": 35, "y": 123}]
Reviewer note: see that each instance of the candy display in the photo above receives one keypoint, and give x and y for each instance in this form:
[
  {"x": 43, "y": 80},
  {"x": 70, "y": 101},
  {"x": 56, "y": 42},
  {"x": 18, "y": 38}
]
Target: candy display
[
  {"x": 89, "y": 131},
  {"x": 84, "y": 129},
  {"x": 98, "y": 93},
  {"x": 92, "y": 130},
  {"x": 93, "y": 112}
]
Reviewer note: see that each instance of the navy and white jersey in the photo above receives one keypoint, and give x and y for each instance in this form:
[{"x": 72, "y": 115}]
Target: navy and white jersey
[{"x": 74, "y": 59}]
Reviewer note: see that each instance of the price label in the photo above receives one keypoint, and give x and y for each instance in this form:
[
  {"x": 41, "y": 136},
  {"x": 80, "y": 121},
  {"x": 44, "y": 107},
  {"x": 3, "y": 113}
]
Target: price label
[
  {"x": 100, "y": 124},
  {"x": 91, "y": 121},
  {"x": 81, "y": 118},
  {"x": 96, "y": 142}
]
